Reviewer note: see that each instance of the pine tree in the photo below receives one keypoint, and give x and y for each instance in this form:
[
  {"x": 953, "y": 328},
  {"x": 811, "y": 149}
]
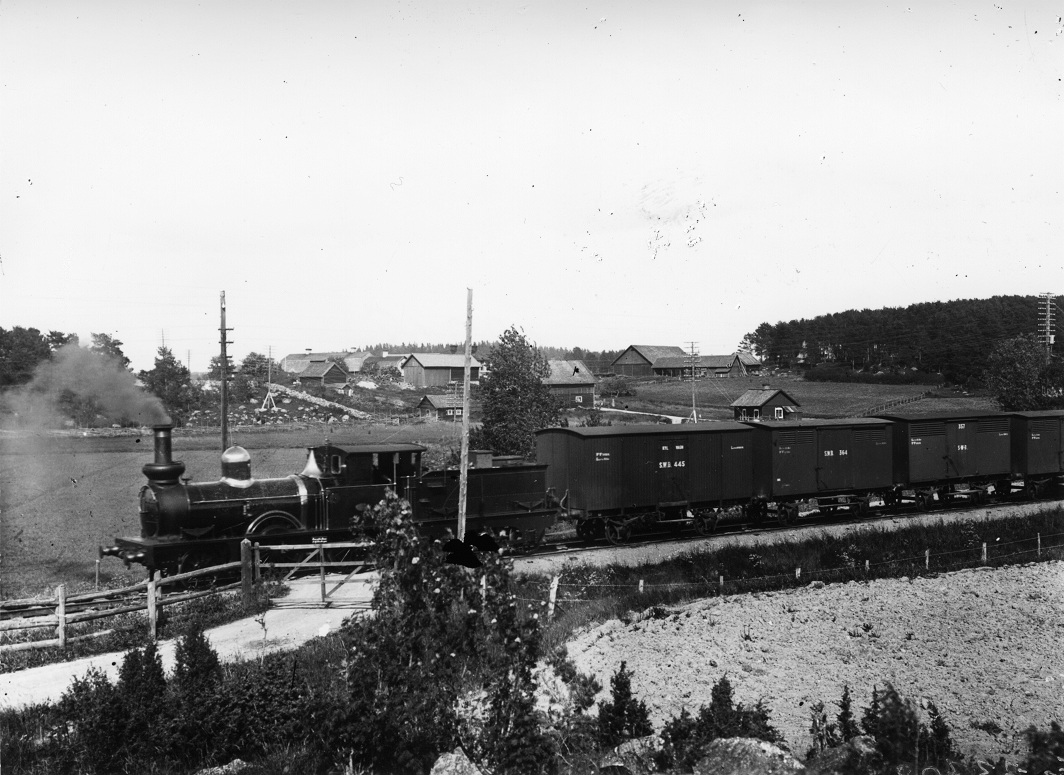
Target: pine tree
[{"x": 624, "y": 717}]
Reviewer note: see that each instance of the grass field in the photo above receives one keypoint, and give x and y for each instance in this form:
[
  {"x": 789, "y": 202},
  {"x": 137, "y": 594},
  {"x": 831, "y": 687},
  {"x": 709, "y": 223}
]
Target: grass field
[{"x": 713, "y": 397}]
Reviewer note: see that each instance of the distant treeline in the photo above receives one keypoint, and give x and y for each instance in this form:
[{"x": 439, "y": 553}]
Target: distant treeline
[{"x": 933, "y": 341}]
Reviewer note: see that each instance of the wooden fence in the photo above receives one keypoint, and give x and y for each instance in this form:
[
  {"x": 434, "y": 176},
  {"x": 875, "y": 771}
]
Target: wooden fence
[{"x": 148, "y": 595}]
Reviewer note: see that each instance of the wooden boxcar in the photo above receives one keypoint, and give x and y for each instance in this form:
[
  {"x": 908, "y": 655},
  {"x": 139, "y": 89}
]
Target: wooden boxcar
[
  {"x": 838, "y": 462},
  {"x": 1037, "y": 448},
  {"x": 615, "y": 478}
]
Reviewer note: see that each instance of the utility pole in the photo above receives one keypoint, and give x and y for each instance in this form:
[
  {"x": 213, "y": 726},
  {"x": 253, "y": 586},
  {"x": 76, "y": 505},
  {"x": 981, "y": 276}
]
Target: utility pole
[
  {"x": 692, "y": 360},
  {"x": 225, "y": 380},
  {"x": 463, "y": 475},
  {"x": 1046, "y": 323}
]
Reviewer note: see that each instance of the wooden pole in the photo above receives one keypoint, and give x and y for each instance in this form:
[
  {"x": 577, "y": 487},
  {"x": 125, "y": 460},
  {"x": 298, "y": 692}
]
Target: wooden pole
[
  {"x": 225, "y": 381},
  {"x": 60, "y": 614},
  {"x": 463, "y": 475},
  {"x": 247, "y": 572},
  {"x": 553, "y": 597},
  {"x": 153, "y": 615}
]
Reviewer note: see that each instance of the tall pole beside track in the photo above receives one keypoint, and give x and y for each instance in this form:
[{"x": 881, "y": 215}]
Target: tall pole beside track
[
  {"x": 225, "y": 380},
  {"x": 463, "y": 475}
]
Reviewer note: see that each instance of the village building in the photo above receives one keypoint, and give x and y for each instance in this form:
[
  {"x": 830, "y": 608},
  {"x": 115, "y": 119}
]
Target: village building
[
  {"x": 440, "y": 407},
  {"x": 638, "y": 359},
  {"x": 323, "y": 372},
  {"x": 572, "y": 383},
  {"x": 766, "y": 403},
  {"x": 437, "y": 369},
  {"x": 349, "y": 360},
  {"x": 734, "y": 365}
]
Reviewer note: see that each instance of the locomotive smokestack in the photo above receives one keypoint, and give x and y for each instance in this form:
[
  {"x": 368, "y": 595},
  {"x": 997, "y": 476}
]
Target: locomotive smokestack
[{"x": 165, "y": 470}]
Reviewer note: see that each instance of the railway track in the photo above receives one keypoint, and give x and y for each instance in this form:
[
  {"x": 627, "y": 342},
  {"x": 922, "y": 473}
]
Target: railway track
[{"x": 568, "y": 544}]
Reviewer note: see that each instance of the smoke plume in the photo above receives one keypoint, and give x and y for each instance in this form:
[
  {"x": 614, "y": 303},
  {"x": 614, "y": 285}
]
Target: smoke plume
[{"x": 82, "y": 385}]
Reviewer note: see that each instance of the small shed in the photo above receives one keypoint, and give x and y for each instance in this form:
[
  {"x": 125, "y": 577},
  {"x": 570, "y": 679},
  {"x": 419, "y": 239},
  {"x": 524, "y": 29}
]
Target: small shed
[
  {"x": 440, "y": 407},
  {"x": 437, "y": 369},
  {"x": 766, "y": 403},
  {"x": 572, "y": 383},
  {"x": 325, "y": 372}
]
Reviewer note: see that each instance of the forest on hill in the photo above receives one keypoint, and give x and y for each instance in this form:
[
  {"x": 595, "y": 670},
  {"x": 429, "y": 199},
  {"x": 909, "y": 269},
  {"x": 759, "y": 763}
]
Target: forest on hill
[{"x": 948, "y": 338}]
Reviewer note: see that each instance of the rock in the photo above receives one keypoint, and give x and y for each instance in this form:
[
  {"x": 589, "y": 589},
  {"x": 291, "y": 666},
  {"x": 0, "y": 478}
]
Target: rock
[
  {"x": 456, "y": 763},
  {"x": 744, "y": 756},
  {"x": 816, "y": 584},
  {"x": 237, "y": 765},
  {"x": 857, "y": 755},
  {"x": 632, "y": 757}
]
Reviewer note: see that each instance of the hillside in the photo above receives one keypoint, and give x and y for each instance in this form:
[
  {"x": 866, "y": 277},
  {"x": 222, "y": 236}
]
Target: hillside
[{"x": 950, "y": 338}]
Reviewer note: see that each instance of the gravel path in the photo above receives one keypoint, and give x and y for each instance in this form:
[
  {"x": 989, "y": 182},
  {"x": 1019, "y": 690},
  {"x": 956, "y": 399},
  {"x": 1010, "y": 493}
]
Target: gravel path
[{"x": 987, "y": 646}]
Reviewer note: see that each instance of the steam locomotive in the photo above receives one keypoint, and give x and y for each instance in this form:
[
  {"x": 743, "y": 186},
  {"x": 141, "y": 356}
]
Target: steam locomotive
[
  {"x": 188, "y": 525},
  {"x": 611, "y": 481}
]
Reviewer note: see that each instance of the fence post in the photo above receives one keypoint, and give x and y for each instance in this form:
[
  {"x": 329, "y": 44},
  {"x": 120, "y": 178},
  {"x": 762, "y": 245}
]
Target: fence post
[
  {"x": 866, "y": 567},
  {"x": 984, "y": 552},
  {"x": 97, "y": 574},
  {"x": 640, "y": 586},
  {"x": 927, "y": 559},
  {"x": 321, "y": 571},
  {"x": 258, "y": 562},
  {"x": 60, "y": 613},
  {"x": 247, "y": 571},
  {"x": 798, "y": 574},
  {"x": 153, "y": 615},
  {"x": 553, "y": 597},
  {"x": 1039, "y": 550},
  {"x": 721, "y": 582},
  {"x": 484, "y": 588}
]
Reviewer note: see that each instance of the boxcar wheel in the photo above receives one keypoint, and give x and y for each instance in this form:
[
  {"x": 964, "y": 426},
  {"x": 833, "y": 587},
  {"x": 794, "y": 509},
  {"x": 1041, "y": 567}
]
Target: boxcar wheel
[
  {"x": 705, "y": 524},
  {"x": 617, "y": 533}
]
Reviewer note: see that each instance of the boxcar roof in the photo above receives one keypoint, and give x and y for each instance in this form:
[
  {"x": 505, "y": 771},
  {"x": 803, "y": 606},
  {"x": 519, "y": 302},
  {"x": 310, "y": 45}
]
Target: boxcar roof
[
  {"x": 942, "y": 416},
  {"x": 807, "y": 423},
  {"x": 362, "y": 449},
  {"x": 651, "y": 430},
  {"x": 1041, "y": 413}
]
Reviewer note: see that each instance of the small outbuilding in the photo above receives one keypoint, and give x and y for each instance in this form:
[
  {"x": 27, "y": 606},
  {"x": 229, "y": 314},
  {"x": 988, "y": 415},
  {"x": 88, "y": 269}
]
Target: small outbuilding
[
  {"x": 324, "y": 372},
  {"x": 766, "y": 403},
  {"x": 437, "y": 369},
  {"x": 440, "y": 407},
  {"x": 572, "y": 383}
]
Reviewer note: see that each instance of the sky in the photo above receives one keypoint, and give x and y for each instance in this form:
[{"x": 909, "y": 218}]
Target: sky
[{"x": 600, "y": 174}]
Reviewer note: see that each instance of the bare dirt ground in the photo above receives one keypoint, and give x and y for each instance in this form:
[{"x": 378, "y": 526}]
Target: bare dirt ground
[{"x": 987, "y": 646}]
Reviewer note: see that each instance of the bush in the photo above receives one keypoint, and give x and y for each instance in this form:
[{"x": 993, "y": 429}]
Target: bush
[
  {"x": 900, "y": 735},
  {"x": 684, "y": 739},
  {"x": 624, "y": 717}
]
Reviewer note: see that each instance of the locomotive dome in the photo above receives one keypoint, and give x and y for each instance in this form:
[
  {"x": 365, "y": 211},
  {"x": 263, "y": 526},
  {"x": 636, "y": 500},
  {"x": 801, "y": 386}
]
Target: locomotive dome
[{"x": 236, "y": 467}]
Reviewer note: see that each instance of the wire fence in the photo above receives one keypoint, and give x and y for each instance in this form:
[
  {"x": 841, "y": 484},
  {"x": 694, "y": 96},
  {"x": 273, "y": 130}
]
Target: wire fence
[{"x": 998, "y": 553}]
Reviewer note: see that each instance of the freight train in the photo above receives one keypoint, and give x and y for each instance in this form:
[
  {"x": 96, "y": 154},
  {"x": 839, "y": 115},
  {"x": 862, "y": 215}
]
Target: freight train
[{"x": 610, "y": 481}]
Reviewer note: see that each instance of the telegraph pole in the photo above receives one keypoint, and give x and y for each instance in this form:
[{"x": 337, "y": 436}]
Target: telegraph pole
[
  {"x": 463, "y": 475},
  {"x": 692, "y": 361},
  {"x": 1046, "y": 323},
  {"x": 225, "y": 380}
]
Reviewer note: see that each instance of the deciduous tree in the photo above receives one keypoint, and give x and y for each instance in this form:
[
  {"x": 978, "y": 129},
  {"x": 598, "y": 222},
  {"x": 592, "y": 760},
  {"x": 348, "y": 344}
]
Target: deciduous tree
[
  {"x": 515, "y": 401},
  {"x": 21, "y": 350},
  {"x": 1020, "y": 378}
]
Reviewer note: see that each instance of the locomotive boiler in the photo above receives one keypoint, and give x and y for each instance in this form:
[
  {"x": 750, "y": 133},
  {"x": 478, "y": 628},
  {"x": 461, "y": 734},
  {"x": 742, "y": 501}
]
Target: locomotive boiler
[{"x": 187, "y": 525}]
